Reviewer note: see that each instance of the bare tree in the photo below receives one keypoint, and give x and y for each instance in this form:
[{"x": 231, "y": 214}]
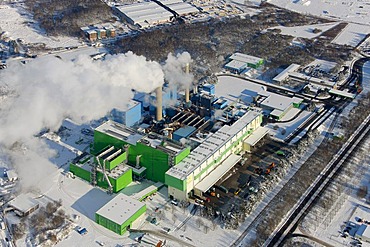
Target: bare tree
[
  {"x": 214, "y": 224},
  {"x": 206, "y": 228},
  {"x": 199, "y": 222}
]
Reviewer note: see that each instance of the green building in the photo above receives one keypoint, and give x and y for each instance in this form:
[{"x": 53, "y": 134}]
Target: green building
[
  {"x": 149, "y": 151},
  {"x": 121, "y": 213},
  {"x": 212, "y": 159},
  {"x": 239, "y": 61},
  {"x": 106, "y": 170}
]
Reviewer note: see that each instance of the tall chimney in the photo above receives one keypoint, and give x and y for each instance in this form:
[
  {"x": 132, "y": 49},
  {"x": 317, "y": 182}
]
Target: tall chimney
[
  {"x": 187, "y": 89},
  {"x": 158, "y": 94}
]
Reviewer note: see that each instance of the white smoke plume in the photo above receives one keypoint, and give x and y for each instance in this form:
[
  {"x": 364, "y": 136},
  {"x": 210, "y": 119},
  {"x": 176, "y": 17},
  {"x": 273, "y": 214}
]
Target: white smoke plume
[
  {"x": 174, "y": 70},
  {"x": 48, "y": 91}
]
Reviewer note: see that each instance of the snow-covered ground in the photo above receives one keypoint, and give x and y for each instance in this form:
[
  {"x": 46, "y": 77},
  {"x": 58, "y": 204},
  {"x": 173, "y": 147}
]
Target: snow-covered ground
[
  {"x": 18, "y": 24},
  {"x": 280, "y": 131},
  {"x": 356, "y": 11},
  {"x": 352, "y": 34},
  {"x": 308, "y": 32},
  {"x": 348, "y": 207}
]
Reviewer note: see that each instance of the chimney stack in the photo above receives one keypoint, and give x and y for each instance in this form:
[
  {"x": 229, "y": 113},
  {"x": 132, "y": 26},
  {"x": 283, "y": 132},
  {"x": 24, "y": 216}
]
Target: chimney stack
[
  {"x": 158, "y": 94},
  {"x": 187, "y": 89}
]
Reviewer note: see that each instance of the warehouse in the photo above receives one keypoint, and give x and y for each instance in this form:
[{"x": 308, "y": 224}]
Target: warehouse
[
  {"x": 121, "y": 214},
  {"x": 144, "y": 14},
  {"x": 277, "y": 105},
  {"x": 181, "y": 8},
  {"x": 239, "y": 61},
  {"x": 216, "y": 150},
  {"x": 284, "y": 75}
]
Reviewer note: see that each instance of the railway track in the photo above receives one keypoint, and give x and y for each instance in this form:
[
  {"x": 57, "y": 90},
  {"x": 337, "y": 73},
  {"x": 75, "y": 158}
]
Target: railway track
[{"x": 318, "y": 187}]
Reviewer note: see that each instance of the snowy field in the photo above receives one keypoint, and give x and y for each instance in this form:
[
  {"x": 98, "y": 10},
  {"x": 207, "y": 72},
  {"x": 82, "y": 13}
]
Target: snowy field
[
  {"x": 281, "y": 131},
  {"x": 356, "y": 11},
  {"x": 308, "y": 32},
  {"x": 18, "y": 24}
]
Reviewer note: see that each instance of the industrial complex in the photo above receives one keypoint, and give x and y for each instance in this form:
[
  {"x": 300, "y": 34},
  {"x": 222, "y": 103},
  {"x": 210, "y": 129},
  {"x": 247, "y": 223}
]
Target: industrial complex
[
  {"x": 186, "y": 146},
  {"x": 183, "y": 123}
]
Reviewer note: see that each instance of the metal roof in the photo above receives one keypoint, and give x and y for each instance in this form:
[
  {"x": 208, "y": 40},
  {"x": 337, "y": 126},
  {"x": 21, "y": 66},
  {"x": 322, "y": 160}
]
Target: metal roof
[
  {"x": 235, "y": 64},
  {"x": 245, "y": 58},
  {"x": 120, "y": 208},
  {"x": 209, "y": 146},
  {"x": 280, "y": 102},
  {"x": 342, "y": 93},
  {"x": 256, "y": 136},
  {"x": 285, "y": 73}
]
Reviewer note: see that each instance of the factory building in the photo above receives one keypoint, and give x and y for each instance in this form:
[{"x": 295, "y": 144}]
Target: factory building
[
  {"x": 107, "y": 169},
  {"x": 238, "y": 62},
  {"x": 179, "y": 7},
  {"x": 209, "y": 161},
  {"x": 273, "y": 105},
  {"x": 144, "y": 14},
  {"x": 151, "y": 153},
  {"x": 284, "y": 75},
  {"x": 121, "y": 214}
]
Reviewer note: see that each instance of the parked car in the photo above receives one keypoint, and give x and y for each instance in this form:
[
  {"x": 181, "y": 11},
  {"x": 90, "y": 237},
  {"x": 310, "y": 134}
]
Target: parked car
[
  {"x": 175, "y": 202},
  {"x": 82, "y": 230}
]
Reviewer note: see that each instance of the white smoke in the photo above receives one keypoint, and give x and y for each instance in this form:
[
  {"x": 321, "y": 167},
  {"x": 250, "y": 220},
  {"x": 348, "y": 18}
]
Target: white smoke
[
  {"x": 174, "y": 70},
  {"x": 48, "y": 91}
]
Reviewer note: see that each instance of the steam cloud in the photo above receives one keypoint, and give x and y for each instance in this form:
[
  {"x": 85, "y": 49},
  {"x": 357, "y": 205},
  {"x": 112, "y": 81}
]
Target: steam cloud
[
  {"x": 48, "y": 91},
  {"x": 174, "y": 71}
]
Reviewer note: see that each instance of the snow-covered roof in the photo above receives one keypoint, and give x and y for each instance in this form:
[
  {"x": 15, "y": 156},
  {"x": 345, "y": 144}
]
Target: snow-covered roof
[
  {"x": 280, "y": 102},
  {"x": 342, "y": 93},
  {"x": 12, "y": 175},
  {"x": 245, "y": 58},
  {"x": 120, "y": 208},
  {"x": 210, "y": 145},
  {"x": 285, "y": 73},
  {"x": 120, "y": 132},
  {"x": 235, "y": 64},
  {"x": 145, "y": 12},
  {"x": 23, "y": 203},
  {"x": 180, "y": 7}
]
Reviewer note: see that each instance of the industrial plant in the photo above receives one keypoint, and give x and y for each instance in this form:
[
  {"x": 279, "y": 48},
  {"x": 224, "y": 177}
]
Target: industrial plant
[{"x": 185, "y": 139}]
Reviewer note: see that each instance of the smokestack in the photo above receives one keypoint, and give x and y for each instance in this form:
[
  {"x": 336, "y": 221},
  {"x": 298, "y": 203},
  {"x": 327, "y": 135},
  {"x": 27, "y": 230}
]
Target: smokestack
[
  {"x": 187, "y": 93},
  {"x": 158, "y": 93}
]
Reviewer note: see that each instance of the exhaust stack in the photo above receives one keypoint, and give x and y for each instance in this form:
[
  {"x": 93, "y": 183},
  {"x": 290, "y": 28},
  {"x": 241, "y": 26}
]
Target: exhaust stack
[
  {"x": 187, "y": 89},
  {"x": 158, "y": 94}
]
